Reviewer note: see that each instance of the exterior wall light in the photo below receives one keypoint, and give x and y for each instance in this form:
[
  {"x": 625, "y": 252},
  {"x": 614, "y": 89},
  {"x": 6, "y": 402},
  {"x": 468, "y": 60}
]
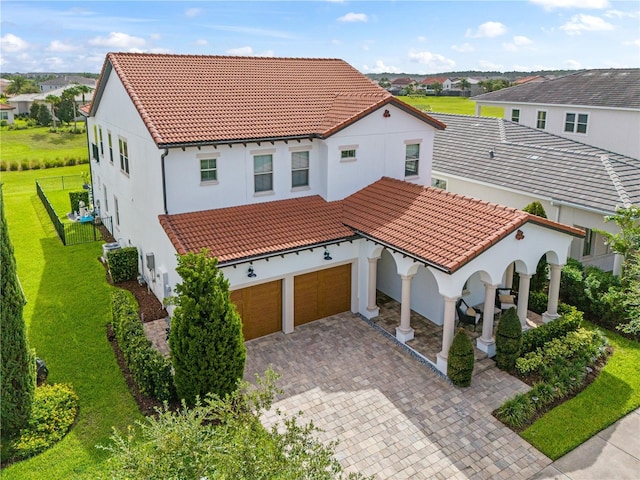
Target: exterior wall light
[
  {"x": 250, "y": 272},
  {"x": 327, "y": 255}
]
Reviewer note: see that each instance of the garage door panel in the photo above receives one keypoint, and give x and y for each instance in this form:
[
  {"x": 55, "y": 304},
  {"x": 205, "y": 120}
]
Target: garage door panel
[
  {"x": 322, "y": 293},
  {"x": 260, "y": 308}
]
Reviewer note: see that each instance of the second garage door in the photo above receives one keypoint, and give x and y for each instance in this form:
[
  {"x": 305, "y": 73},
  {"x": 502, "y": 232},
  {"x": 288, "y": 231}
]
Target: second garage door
[
  {"x": 322, "y": 293},
  {"x": 260, "y": 309}
]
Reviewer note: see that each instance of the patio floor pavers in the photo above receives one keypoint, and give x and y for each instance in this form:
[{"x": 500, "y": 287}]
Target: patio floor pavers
[{"x": 394, "y": 417}]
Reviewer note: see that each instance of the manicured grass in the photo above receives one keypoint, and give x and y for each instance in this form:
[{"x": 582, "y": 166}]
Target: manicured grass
[
  {"x": 67, "y": 310},
  {"x": 458, "y": 105},
  {"x": 611, "y": 396},
  {"x": 39, "y": 145}
]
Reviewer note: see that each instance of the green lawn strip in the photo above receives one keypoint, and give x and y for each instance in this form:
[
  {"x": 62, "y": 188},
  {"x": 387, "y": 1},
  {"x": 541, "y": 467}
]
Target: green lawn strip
[
  {"x": 458, "y": 105},
  {"x": 67, "y": 310},
  {"x": 611, "y": 396},
  {"x": 38, "y": 144}
]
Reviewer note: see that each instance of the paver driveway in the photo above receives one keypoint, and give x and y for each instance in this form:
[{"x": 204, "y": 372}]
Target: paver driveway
[{"x": 394, "y": 417}]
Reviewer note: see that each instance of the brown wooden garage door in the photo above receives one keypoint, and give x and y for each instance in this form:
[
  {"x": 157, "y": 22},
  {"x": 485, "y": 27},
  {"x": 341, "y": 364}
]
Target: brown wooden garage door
[
  {"x": 322, "y": 293},
  {"x": 260, "y": 308}
]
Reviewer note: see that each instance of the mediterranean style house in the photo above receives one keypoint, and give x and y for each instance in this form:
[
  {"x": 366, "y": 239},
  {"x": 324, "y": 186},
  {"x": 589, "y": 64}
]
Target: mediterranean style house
[
  {"x": 310, "y": 184},
  {"x": 596, "y": 107},
  {"x": 511, "y": 164}
]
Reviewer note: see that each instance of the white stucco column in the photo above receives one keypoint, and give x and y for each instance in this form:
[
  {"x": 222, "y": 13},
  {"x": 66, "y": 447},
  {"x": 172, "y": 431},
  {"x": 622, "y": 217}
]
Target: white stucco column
[
  {"x": 404, "y": 332},
  {"x": 508, "y": 280},
  {"x": 618, "y": 261},
  {"x": 554, "y": 293},
  {"x": 287, "y": 303},
  {"x": 448, "y": 328},
  {"x": 523, "y": 299},
  {"x": 486, "y": 343},
  {"x": 371, "y": 287}
]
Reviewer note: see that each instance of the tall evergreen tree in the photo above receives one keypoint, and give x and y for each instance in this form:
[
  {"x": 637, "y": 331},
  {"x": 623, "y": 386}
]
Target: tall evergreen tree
[
  {"x": 18, "y": 361},
  {"x": 206, "y": 342}
]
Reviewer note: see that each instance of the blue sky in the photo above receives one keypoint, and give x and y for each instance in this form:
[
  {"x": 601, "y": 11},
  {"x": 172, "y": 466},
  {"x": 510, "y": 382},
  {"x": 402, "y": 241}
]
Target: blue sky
[{"x": 419, "y": 37}]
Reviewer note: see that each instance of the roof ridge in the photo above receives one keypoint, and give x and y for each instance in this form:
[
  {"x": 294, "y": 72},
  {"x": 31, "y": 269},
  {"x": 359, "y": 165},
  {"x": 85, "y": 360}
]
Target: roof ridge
[{"x": 622, "y": 193}]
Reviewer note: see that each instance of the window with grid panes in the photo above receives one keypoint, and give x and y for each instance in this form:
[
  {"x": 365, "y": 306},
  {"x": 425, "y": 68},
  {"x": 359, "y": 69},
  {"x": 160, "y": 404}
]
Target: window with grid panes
[
  {"x": 263, "y": 173},
  {"x": 412, "y": 160},
  {"x": 299, "y": 169},
  {"x": 208, "y": 170}
]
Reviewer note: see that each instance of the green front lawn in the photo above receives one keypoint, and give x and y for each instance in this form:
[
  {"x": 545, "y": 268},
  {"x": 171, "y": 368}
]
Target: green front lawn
[
  {"x": 611, "y": 396},
  {"x": 67, "y": 310},
  {"x": 458, "y": 105},
  {"x": 39, "y": 145}
]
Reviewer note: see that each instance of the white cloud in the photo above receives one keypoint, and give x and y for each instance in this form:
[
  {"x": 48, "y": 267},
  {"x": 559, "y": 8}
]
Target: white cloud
[
  {"x": 433, "y": 61},
  {"x": 11, "y": 43},
  {"x": 464, "y": 48},
  {"x": 201, "y": 42},
  {"x": 354, "y": 17},
  {"x": 620, "y": 14},
  {"x": 422, "y": 39},
  {"x": 155, "y": 36},
  {"x": 58, "y": 46},
  {"x": 553, "y": 4},
  {"x": 572, "y": 64},
  {"x": 487, "y": 30},
  {"x": 633, "y": 43},
  {"x": 192, "y": 12},
  {"x": 118, "y": 40},
  {"x": 518, "y": 41},
  {"x": 380, "y": 67},
  {"x": 54, "y": 63},
  {"x": 249, "y": 52},
  {"x": 585, "y": 23},
  {"x": 487, "y": 65}
]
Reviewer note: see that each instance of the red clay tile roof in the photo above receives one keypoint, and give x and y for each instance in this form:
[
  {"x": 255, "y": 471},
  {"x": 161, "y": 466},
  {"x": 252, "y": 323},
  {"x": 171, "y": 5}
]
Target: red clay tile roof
[
  {"x": 5, "y": 106},
  {"x": 185, "y": 99},
  {"x": 442, "y": 229},
  {"x": 252, "y": 230}
]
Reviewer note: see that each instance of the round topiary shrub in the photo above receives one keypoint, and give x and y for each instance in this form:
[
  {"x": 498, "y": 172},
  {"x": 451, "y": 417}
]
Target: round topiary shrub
[
  {"x": 461, "y": 360},
  {"x": 508, "y": 340}
]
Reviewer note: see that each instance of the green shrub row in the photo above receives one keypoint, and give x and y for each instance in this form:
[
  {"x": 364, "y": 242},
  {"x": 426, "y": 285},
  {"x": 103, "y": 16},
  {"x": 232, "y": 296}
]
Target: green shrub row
[
  {"x": 76, "y": 197},
  {"x": 53, "y": 412},
  {"x": 537, "y": 337},
  {"x": 580, "y": 344},
  {"x": 150, "y": 370},
  {"x": 123, "y": 264},
  {"x": 538, "y": 302},
  {"x": 38, "y": 164}
]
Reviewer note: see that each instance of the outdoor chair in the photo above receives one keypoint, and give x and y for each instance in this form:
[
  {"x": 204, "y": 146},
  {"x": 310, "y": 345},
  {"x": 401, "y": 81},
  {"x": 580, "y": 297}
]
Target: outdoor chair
[
  {"x": 466, "y": 314},
  {"x": 506, "y": 299}
]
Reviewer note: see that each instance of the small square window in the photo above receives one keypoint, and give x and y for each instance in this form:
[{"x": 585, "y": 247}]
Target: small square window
[
  {"x": 208, "y": 170},
  {"x": 412, "y": 160},
  {"x": 299, "y": 169}
]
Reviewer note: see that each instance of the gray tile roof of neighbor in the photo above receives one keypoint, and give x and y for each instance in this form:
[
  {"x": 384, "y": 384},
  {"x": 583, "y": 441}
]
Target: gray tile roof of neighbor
[
  {"x": 535, "y": 162},
  {"x": 613, "y": 88}
]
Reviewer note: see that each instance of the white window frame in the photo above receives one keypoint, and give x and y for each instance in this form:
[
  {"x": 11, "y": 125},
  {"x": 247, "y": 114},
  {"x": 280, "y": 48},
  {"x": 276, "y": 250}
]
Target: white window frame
[
  {"x": 296, "y": 151},
  {"x": 440, "y": 183},
  {"x": 110, "y": 142},
  {"x": 541, "y": 119},
  {"x": 106, "y": 199},
  {"x": 208, "y": 157},
  {"x": 101, "y": 142},
  {"x": 515, "y": 115},
  {"x": 348, "y": 153},
  {"x": 263, "y": 153},
  {"x": 116, "y": 213},
  {"x": 411, "y": 159},
  {"x": 576, "y": 123},
  {"x": 123, "y": 150}
]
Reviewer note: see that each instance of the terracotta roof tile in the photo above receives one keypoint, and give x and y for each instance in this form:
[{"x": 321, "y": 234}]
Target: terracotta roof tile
[{"x": 251, "y": 230}]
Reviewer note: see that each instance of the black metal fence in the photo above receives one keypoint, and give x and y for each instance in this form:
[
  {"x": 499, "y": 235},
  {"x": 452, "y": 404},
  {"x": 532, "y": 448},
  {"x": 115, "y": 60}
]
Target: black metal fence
[{"x": 72, "y": 232}]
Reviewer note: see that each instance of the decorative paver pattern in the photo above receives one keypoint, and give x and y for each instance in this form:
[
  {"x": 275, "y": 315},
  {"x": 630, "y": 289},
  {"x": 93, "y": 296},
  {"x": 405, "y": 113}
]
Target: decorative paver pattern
[{"x": 394, "y": 417}]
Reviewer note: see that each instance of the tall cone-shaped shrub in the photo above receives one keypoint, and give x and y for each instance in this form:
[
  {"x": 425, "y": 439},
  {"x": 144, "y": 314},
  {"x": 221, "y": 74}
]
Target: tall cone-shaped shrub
[
  {"x": 508, "y": 340},
  {"x": 460, "y": 361},
  {"x": 206, "y": 342},
  {"x": 18, "y": 361}
]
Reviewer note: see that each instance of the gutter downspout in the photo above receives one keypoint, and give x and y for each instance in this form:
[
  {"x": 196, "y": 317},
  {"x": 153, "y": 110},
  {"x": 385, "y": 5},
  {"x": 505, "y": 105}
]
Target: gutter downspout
[{"x": 164, "y": 181}]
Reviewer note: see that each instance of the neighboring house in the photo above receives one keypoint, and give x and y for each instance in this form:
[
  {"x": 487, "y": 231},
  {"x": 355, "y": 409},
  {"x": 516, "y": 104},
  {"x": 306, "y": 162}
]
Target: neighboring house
[
  {"x": 6, "y": 113},
  {"x": 444, "y": 81},
  {"x": 312, "y": 197},
  {"x": 512, "y": 164},
  {"x": 23, "y": 102},
  {"x": 4, "y": 83},
  {"x": 402, "y": 82},
  {"x": 65, "y": 81},
  {"x": 531, "y": 78},
  {"x": 597, "y": 107}
]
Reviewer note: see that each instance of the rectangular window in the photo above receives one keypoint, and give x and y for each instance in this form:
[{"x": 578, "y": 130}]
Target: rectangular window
[
  {"x": 263, "y": 173},
  {"x": 117, "y": 212},
  {"x": 576, "y": 123},
  {"x": 299, "y": 169},
  {"x": 101, "y": 143},
  {"x": 347, "y": 154},
  {"x": 412, "y": 160},
  {"x": 208, "y": 170},
  {"x": 110, "y": 147},
  {"x": 94, "y": 145},
  {"x": 124, "y": 155},
  {"x": 541, "y": 122},
  {"x": 587, "y": 245},
  {"x": 439, "y": 183},
  {"x": 515, "y": 115},
  {"x": 106, "y": 199},
  {"x": 4, "y": 115}
]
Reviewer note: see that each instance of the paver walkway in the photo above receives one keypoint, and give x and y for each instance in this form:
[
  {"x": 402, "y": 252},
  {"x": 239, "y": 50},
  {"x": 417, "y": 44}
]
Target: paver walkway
[{"x": 394, "y": 417}]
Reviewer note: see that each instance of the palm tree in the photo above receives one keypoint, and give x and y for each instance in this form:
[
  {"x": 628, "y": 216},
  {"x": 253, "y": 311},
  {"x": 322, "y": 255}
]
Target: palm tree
[
  {"x": 53, "y": 100},
  {"x": 464, "y": 84}
]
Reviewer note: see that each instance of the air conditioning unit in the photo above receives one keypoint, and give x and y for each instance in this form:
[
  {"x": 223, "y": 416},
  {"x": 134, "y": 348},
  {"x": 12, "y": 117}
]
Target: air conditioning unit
[{"x": 109, "y": 247}]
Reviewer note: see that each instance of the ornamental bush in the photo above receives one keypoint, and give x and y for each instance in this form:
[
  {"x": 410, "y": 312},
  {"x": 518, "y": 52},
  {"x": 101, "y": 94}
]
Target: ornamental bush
[
  {"x": 75, "y": 197},
  {"x": 508, "y": 340},
  {"x": 572, "y": 283},
  {"x": 123, "y": 264},
  {"x": 461, "y": 360},
  {"x": 538, "y": 302},
  {"x": 535, "y": 338}
]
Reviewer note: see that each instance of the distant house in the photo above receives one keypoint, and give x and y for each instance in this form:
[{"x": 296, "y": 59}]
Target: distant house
[
  {"x": 402, "y": 82},
  {"x": 597, "y": 107},
  {"x": 23, "y": 102},
  {"x": 444, "y": 81},
  {"x": 4, "y": 83},
  {"x": 6, "y": 113},
  {"x": 65, "y": 81},
  {"x": 508, "y": 163},
  {"x": 531, "y": 78}
]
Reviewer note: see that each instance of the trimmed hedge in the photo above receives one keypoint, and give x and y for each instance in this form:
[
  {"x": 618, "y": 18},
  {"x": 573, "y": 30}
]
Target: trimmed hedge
[
  {"x": 538, "y": 302},
  {"x": 508, "y": 340},
  {"x": 536, "y": 337},
  {"x": 150, "y": 370},
  {"x": 76, "y": 198},
  {"x": 123, "y": 264},
  {"x": 461, "y": 360}
]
